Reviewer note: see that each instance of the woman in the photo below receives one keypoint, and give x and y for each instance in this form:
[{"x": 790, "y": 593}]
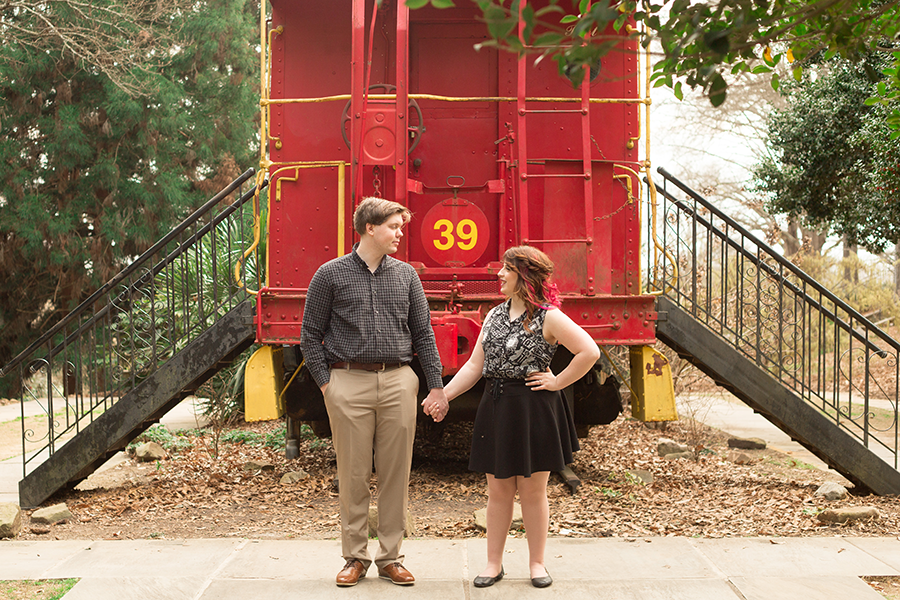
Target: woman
[{"x": 523, "y": 428}]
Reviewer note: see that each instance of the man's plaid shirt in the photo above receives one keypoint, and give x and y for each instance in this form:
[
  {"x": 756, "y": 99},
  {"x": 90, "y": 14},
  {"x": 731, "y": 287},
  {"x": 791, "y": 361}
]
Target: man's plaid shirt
[{"x": 354, "y": 315}]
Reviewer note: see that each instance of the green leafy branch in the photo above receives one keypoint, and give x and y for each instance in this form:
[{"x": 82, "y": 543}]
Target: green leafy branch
[{"x": 699, "y": 43}]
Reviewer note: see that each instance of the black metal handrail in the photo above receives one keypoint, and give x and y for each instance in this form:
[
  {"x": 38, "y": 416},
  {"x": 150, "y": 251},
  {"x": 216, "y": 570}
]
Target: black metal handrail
[
  {"x": 774, "y": 255},
  {"x": 771, "y": 272},
  {"x": 144, "y": 279},
  {"x": 140, "y": 318},
  {"x": 131, "y": 268},
  {"x": 778, "y": 316}
]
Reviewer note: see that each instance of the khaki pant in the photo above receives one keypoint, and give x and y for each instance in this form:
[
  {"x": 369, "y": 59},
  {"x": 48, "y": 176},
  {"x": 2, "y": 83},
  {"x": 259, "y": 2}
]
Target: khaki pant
[{"x": 373, "y": 411}]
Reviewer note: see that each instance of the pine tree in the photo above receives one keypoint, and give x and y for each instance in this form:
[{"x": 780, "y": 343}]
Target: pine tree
[{"x": 93, "y": 171}]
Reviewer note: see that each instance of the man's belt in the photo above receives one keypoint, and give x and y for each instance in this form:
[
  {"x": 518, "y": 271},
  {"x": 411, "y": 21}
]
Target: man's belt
[{"x": 369, "y": 366}]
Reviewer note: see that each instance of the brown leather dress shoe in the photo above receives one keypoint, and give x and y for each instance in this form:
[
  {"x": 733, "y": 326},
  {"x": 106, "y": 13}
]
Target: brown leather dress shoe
[
  {"x": 352, "y": 572},
  {"x": 397, "y": 574}
]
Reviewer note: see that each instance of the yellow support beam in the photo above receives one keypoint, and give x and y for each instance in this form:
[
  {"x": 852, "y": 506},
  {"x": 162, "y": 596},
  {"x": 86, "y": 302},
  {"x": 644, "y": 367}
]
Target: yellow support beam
[
  {"x": 653, "y": 397},
  {"x": 263, "y": 382}
]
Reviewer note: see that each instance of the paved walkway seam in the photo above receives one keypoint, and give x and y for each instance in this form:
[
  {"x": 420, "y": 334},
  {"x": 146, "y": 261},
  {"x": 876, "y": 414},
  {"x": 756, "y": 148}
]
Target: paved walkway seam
[{"x": 215, "y": 574}]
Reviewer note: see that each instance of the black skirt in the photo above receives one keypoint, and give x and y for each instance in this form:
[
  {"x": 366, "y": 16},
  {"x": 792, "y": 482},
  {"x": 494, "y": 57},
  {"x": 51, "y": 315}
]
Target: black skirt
[{"x": 519, "y": 431}]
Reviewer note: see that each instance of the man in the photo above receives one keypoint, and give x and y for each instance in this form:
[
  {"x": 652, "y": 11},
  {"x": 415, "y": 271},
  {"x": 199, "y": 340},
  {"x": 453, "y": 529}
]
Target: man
[{"x": 365, "y": 314}]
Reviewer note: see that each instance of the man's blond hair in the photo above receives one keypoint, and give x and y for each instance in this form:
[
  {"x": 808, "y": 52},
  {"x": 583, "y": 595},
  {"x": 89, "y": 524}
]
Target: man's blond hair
[{"x": 376, "y": 211}]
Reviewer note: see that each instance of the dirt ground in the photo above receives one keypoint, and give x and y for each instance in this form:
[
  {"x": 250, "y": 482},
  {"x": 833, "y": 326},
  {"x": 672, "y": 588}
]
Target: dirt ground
[
  {"x": 194, "y": 494},
  {"x": 204, "y": 490}
]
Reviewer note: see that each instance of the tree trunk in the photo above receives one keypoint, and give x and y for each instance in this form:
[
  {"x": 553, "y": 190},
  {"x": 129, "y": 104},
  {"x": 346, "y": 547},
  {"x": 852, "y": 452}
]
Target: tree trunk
[
  {"x": 897, "y": 270},
  {"x": 851, "y": 269},
  {"x": 816, "y": 240},
  {"x": 790, "y": 239}
]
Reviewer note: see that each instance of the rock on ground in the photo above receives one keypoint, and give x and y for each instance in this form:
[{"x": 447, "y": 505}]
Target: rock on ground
[
  {"x": 747, "y": 443},
  {"x": 666, "y": 446},
  {"x": 294, "y": 477},
  {"x": 831, "y": 491},
  {"x": 10, "y": 520},
  {"x": 149, "y": 452},
  {"x": 853, "y": 513},
  {"x": 52, "y": 514},
  {"x": 740, "y": 458},
  {"x": 678, "y": 455},
  {"x": 254, "y": 465}
]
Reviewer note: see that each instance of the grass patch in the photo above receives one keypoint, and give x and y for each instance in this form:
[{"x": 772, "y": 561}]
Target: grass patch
[
  {"x": 240, "y": 436},
  {"x": 306, "y": 433},
  {"x": 275, "y": 438},
  {"x": 790, "y": 463},
  {"x": 38, "y": 589},
  {"x": 172, "y": 442},
  {"x": 179, "y": 440},
  {"x": 793, "y": 463}
]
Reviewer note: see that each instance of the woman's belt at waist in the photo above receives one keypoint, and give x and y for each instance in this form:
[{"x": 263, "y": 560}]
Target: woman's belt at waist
[
  {"x": 505, "y": 380},
  {"x": 496, "y": 384}
]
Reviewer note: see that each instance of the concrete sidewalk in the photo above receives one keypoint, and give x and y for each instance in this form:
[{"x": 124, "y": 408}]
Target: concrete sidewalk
[
  {"x": 649, "y": 568},
  {"x": 725, "y": 412},
  {"x": 184, "y": 416},
  {"x": 620, "y": 569}
]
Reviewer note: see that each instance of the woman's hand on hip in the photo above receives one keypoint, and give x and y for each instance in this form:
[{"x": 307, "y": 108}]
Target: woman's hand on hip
[{"x": 542, "y": 380}]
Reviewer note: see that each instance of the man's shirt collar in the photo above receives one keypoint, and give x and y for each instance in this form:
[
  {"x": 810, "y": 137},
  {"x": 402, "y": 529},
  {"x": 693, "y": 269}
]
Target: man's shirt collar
[{"x": 387, "y": 261}]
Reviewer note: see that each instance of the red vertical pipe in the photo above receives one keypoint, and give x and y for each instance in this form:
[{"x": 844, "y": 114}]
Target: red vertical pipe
[
  {"x": 522, "y": 153},
  {"x": 402, "y": 116},
  {"x": 401, "y": 167},
  {"x": 365, "y": 99},
  {"x": 506, "y": 152},
  {"x": 357, "y": 72},
  {"x": 590, "y": 254}
]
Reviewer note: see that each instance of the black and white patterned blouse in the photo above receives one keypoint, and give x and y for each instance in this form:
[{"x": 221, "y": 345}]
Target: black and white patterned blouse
[{"x": 510, "y": 351}]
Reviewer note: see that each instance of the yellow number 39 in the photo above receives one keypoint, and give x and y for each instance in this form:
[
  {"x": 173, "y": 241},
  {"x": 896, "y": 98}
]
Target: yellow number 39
[{"x": 466, "y": 231}]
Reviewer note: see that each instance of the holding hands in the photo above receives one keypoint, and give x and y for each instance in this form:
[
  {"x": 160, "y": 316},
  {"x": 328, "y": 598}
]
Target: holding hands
[{"x": 436, "y": 404}]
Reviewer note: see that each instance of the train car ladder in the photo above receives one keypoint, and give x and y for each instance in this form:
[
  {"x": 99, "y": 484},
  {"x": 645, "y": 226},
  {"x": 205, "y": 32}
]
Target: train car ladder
[{"x": 522, "y": 113}]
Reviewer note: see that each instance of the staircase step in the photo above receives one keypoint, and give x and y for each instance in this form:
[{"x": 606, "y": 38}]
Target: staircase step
[
  {"x": 144, "y": 405},
  {"x": 769, "y": 397}
]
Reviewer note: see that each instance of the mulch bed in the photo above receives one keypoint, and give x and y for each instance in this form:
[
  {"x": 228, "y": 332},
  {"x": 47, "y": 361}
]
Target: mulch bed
[{"x": 192, "y": 494}]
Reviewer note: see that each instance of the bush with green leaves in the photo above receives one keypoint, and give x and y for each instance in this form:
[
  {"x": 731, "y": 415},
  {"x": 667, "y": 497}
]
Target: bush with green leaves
[
  {"x": 276, "y": 438},
  {"x": 93, "y": 172},
  {"x": 172, "y": 442}
]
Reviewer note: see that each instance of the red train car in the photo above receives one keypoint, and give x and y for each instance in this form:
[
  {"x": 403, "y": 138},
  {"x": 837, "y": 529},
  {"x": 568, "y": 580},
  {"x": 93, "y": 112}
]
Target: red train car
[{"x": 487, "y": 149}]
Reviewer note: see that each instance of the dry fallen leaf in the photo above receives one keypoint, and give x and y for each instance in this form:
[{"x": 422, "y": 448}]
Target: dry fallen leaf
[{"x": 195, "y": 495}]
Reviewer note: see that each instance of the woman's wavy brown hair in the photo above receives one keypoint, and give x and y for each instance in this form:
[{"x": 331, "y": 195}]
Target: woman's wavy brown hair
[{"x": 534, "y": 269}]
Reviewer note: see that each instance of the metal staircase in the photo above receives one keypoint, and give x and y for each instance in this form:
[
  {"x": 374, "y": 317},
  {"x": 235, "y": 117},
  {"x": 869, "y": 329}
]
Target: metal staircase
[
  {"x": 142, "y": 406},
  {"x": 727, "y": 302},
  {"x": 139, "y": 345},
  {"x": 776, "y": 338}
]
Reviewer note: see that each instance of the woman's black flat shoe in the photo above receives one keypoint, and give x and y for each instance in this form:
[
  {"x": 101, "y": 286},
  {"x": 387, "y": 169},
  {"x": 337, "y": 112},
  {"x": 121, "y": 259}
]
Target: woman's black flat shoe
[
  {"x": 489, "y": 581},
  {"x": 542, "y": 582}
]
